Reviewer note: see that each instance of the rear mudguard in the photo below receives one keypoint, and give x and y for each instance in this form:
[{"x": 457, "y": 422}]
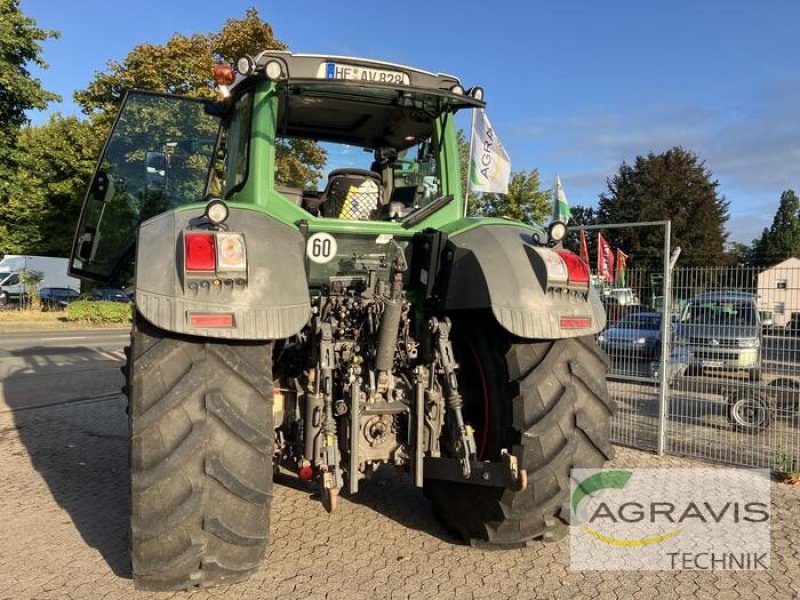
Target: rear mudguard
[
  {"x": 273, "y": 304},
  {"x": 497, "y": 266}
]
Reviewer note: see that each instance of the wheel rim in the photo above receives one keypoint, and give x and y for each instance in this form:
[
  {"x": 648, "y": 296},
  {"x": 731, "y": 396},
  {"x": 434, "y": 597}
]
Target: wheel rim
[{"x": 748, "y": 413}]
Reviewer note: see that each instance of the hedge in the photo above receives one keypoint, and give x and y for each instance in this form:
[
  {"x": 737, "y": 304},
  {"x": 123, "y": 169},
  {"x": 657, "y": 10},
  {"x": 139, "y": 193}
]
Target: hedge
[{"x": 98, "y": 311}]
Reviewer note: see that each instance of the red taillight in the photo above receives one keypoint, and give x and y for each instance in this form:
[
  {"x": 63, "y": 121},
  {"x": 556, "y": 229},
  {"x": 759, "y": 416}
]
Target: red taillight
[
  {"x": 201, "y": 251},
  {"x": 305, "y": 472},
  {"x": 578, "y": 271},
  {"x": 205, "y": 320}
]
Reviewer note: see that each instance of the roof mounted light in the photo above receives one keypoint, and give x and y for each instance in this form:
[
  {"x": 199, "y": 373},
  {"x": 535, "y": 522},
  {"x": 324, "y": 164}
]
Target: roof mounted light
[
  {"x": 457, "y": 90},
  {"x": 224, "y": 75},
  {"x": 246, "y": 65},
  {"x": 476, "y": 92},
  {"x": 556, "y": 231},
  {"x": 217, "y": 211},
  {"x": 273, "y": 69}
]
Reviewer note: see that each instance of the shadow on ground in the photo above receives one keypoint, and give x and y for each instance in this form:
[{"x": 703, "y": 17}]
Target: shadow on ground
[{"x": 80, "y": 449}]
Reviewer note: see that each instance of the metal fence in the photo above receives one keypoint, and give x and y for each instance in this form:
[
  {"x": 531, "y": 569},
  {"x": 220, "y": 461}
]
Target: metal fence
[{"x": 731, "y": 362}]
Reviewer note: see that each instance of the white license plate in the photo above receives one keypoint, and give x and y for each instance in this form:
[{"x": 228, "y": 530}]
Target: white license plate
[
  {"x": 713, "y": 363},
  {"x": 347, "y": 72}
]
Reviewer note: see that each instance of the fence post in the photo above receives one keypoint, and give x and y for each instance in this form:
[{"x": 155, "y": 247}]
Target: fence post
[{"x": 666, "y": 346}]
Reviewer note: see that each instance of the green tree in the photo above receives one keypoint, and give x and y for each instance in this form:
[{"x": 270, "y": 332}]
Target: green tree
[
  {"x": 524, "y": 201},
  {"x": 782, "y": 239},
  {"x": 672, "y": 186},
  {"x": 184, "y": 65},
  {"x": 56, "y": 160},
  {"x": 20, "y": 46},
  {"x": 581, "y": 215}
]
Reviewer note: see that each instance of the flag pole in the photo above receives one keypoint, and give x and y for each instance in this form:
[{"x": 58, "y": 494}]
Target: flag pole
[{"x": 469, "y": 159}]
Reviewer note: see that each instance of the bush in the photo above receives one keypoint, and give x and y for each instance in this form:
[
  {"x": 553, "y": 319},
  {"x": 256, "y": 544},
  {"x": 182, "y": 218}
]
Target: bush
[{"x": 98, "y": 311}]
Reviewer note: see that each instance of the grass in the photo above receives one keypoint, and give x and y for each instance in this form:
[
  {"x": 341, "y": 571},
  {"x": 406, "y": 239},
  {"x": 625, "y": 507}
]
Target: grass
[{"x": 12, "y": 320}]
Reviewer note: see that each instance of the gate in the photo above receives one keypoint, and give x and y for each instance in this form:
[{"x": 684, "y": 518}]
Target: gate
[{"x": 719, "y": 377}]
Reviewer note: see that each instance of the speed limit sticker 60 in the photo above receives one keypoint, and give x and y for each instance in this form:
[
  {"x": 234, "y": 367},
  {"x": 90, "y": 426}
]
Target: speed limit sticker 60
[{"x": 321, "y": 248}]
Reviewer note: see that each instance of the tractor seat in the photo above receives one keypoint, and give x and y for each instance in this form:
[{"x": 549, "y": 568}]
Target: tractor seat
[{"x": 352, "y": 194}]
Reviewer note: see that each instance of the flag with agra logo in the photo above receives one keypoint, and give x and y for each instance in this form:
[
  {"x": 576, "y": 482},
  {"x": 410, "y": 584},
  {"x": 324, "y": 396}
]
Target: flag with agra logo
[{"x": 489, "y": 164}]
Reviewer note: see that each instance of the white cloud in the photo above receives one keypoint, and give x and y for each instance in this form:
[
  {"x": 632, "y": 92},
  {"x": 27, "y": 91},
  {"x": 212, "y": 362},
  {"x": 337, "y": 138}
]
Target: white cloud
[{"x": 751, "y": 147}]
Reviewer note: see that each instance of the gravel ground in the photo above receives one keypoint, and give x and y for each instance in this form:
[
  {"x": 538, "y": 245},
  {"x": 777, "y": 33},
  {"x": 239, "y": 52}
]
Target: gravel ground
[{"x": 63, "y": 501}]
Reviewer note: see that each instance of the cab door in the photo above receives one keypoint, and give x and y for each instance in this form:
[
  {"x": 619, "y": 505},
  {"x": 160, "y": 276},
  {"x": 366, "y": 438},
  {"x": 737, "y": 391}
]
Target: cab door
[{"x": 158, "y": 156}]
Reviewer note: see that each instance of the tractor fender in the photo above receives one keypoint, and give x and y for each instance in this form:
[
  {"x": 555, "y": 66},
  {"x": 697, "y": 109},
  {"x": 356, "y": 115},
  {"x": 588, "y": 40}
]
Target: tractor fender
[
  {"x": 498, "y": 267},
  {"x": 272, "y": 304}
]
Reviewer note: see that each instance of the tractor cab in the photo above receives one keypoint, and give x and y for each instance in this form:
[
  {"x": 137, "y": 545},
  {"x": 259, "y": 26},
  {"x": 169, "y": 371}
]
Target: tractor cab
[{"x": 380, "y": 139}]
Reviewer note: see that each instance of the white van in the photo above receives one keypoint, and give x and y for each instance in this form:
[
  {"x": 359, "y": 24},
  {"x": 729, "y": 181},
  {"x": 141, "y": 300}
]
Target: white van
[{"x": 53, "y": 270}]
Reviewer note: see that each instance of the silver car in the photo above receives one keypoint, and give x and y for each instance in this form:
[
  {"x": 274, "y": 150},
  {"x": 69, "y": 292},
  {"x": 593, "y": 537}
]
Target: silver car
[
  {"x": 723, "y": 330},
  {"x": 635, "y": 335}
]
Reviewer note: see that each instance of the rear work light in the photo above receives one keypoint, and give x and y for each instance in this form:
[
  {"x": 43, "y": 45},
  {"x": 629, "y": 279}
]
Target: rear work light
[{"x": 200, "y": 251}]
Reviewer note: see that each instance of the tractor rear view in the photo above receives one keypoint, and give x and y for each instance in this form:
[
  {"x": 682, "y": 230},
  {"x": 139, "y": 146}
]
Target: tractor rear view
[{"x": 332, "y": 329}]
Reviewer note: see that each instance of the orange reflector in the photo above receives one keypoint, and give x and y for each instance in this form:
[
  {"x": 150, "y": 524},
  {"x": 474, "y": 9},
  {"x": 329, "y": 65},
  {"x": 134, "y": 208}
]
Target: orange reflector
[
  {"x": 224, "y": 75},
  {"x": 206, "y": 320},
  {"x": 576, "y": 322}
]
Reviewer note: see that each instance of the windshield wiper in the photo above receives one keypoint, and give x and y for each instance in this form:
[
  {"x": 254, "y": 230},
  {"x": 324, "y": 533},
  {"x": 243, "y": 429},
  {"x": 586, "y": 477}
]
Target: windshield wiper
[{"x": 424, "y": 212}]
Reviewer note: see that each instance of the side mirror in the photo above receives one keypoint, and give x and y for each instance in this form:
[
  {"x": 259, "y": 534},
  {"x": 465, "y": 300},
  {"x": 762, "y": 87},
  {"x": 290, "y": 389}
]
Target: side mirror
[{"x": 156, "y": 166}]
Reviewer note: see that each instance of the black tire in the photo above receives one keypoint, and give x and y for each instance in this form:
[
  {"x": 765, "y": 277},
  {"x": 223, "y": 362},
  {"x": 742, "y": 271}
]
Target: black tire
[
  {"x": 200, "y": 455},
  {"x": 547, "y": 402},
  {"x": 750, "y": 411}
]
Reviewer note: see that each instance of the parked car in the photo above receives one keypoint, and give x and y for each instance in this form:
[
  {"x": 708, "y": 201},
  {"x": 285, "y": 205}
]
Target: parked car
[
  {"x": 723, "y": 330},
  {"x": 622, "y": 296},
  {"x": 56, "y": 298},
  {"x": 634, "y": 335},
  {"x": 110, "y": 294}
]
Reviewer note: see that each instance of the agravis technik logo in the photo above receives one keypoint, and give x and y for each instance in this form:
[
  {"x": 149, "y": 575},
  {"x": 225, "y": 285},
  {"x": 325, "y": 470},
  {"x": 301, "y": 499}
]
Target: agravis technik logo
[{"x": 664, "y": 519}]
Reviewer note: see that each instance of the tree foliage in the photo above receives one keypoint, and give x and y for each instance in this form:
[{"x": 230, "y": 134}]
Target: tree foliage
[
  {"x": 675, "y": 186},
  {"x": 524, "y": 201},
  {"x": 56, "y": 161},
  {"x": 581, "y": 215},
  {"x": 184, "y": 66},
  {"x": 20, "y": 46},
  {"x": 782, "y": 239}
]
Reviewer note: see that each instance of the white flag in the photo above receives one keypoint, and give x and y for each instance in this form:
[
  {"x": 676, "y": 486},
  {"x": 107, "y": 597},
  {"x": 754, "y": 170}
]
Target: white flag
[
  {"x": 489, "y": 165},
  {"x": 561, "y": 210}
]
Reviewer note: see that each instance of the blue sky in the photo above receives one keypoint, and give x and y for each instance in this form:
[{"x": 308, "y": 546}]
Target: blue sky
[{"x": 573, "y": 87}]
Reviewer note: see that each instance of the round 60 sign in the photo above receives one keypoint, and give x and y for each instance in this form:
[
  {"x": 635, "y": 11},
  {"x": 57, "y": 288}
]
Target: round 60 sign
[{"x": 321, "y": 248}]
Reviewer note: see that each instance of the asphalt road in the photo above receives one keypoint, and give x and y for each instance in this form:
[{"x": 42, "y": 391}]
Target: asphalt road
[{"x": 51, "y": 367}]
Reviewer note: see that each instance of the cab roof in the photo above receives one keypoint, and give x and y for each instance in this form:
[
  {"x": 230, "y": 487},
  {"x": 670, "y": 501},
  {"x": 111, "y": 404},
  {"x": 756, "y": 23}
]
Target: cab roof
[{"x": 358, "y": 101}]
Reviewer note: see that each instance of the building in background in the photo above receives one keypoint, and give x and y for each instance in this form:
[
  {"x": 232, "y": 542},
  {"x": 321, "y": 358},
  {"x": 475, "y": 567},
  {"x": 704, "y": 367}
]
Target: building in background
[{"x": 779, "y": 290}]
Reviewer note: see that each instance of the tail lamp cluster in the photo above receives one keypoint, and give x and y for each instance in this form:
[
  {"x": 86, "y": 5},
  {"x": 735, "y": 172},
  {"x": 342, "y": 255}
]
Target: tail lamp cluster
[
  {"x": 212, "y": 253},
  {"x": 566, "y": 271},
  {"x": 213, "y": 260}
]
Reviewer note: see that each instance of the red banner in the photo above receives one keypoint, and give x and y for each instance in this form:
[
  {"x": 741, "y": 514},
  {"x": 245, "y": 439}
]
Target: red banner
[
  {"x": 584, "y": 247},
  {"x": 605, "y": 259}
]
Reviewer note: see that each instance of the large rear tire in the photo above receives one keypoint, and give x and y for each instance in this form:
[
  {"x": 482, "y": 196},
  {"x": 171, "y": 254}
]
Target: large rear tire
[
  {"x": 547, "y": 402},
  {"x": 201, "y": 438}
]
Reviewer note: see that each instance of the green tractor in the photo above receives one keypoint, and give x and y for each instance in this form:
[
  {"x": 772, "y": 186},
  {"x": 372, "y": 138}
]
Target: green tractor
[{"x": 332, "y": 331}]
